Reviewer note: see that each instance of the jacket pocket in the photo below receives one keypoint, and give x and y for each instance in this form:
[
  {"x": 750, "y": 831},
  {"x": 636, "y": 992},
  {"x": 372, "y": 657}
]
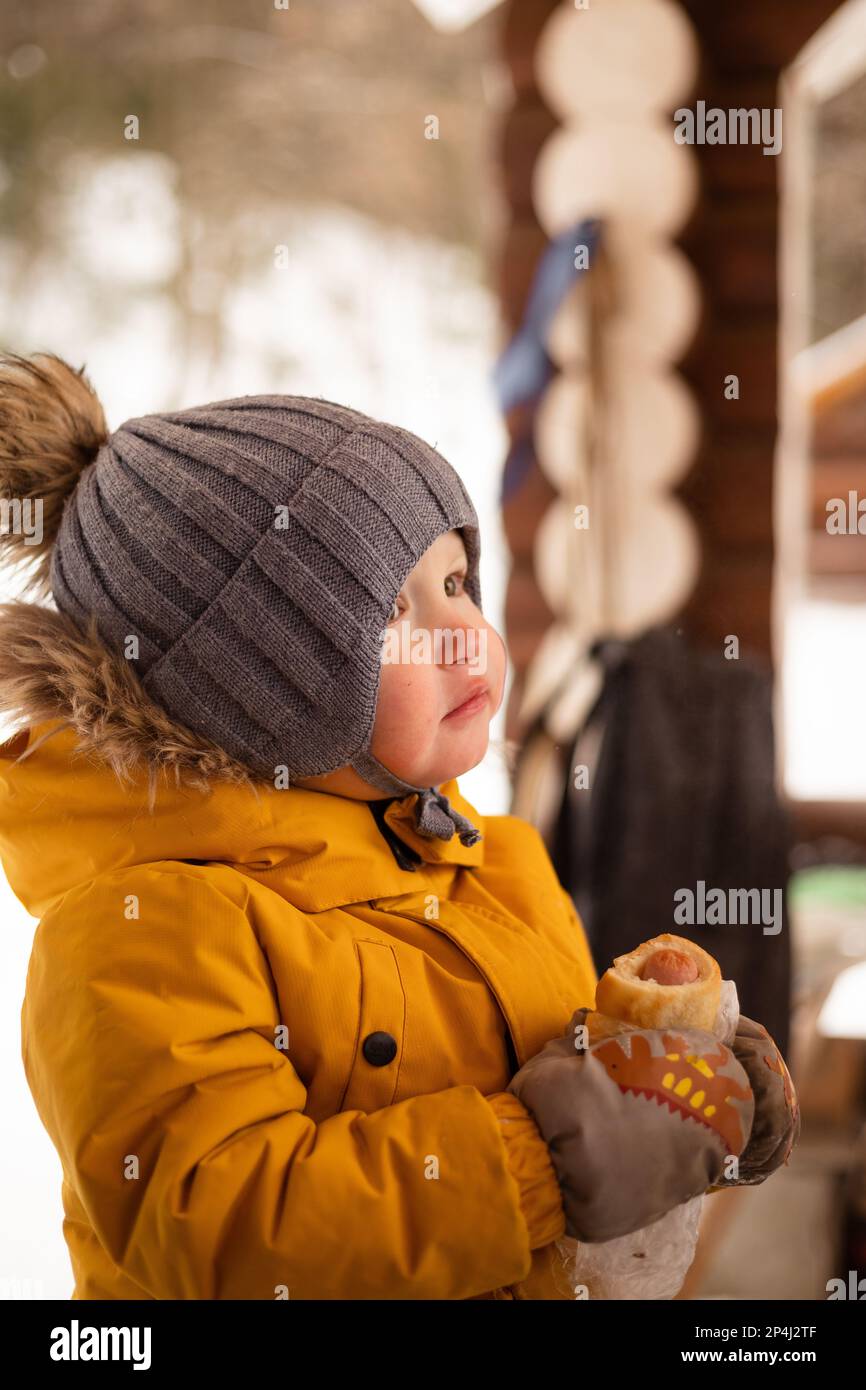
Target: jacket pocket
[{"x": 379, "y": 1039}]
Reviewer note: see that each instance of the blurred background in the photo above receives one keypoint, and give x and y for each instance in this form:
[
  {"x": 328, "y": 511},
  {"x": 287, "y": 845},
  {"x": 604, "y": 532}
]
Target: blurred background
[{"x": 647, "y": 360}]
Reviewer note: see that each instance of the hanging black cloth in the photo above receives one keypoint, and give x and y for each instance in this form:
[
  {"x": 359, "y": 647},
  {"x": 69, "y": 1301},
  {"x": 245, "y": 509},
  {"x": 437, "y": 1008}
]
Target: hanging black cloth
[{"x": 683, "y": 792}]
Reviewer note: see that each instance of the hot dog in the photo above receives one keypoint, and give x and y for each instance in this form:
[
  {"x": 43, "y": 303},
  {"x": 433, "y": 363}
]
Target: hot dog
[
  {"x": 663, "y": 982},
  {"x": 669, "y": 967}
]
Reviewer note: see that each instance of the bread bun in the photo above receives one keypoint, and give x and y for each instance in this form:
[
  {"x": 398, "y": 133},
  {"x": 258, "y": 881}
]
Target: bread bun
[{"x": 666, "y": 982}]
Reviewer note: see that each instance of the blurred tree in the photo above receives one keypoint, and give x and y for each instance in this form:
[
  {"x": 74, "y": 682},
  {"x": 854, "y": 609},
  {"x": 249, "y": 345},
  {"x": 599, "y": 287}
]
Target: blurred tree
[{"x": 258, "y": 108}]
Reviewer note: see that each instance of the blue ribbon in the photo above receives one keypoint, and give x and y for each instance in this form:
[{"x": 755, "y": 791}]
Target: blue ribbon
[{"x": 524, "y": 369}]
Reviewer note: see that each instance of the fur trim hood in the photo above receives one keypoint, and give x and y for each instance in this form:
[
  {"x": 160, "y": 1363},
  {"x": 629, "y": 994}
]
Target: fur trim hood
[{"x": 50, "y": 670}]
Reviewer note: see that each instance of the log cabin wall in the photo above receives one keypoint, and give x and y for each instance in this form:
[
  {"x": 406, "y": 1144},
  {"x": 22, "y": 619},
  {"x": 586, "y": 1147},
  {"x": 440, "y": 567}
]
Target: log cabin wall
[
  {"x": 838, "y": 456},
  {"x": 526, "y": 127},
  {"x": 731, "y": 240}
]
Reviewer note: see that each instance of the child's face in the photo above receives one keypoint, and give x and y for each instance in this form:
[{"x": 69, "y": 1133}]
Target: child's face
[{"x": 438, "y": 651}]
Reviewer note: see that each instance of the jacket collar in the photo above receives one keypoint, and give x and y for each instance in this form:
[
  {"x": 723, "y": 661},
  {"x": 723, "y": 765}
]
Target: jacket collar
[{"x": 66, "y": 817}]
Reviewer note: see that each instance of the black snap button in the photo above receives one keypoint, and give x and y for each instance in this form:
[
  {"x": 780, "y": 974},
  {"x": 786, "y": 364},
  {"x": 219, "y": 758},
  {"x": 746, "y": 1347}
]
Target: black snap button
[{"x": 379, "y": 1049}]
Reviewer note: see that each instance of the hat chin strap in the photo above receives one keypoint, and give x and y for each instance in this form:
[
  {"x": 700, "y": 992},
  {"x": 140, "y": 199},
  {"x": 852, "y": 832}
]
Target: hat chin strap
[{"x": 434, "y": 814}]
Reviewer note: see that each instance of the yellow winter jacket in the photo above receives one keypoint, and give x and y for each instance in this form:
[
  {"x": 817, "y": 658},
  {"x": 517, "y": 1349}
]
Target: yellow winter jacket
[{"x": 271, "y": 1059}]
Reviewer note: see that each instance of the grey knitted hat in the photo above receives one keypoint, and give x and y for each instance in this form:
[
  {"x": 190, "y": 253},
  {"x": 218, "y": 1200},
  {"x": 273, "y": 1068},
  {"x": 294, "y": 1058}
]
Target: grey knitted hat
[{"x": 255, "y": 547}]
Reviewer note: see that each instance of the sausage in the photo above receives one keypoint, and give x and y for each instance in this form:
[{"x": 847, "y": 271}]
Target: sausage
[{"x": 669, "y": 967}]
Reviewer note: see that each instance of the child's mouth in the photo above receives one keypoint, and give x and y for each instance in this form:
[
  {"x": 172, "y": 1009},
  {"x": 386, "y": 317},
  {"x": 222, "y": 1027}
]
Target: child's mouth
[{"x": 470, "y": 706}]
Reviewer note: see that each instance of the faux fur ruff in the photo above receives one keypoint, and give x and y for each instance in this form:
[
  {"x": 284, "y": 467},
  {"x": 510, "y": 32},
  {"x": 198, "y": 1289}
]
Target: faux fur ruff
[{"x": 50, "y": 670}]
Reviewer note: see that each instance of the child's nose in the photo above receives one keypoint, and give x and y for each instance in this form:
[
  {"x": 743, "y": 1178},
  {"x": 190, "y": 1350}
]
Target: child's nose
[{"x": 465, "y": 644}]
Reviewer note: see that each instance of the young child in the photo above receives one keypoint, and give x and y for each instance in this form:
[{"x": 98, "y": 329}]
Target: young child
[{"x": 287, "y": 981}]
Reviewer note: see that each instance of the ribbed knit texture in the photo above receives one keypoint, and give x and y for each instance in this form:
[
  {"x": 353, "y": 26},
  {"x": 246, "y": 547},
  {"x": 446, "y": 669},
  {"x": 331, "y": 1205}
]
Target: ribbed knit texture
[{"x": 255, "y": 547}]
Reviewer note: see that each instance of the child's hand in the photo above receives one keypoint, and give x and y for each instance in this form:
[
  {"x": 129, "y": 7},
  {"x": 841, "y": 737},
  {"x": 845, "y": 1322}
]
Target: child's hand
[
  {"x": 776, "y": 1126},
  {"x": 635, "y": 1124}
]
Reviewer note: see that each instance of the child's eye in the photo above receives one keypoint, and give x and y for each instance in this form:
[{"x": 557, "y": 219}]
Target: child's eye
[{"x": 460, "y": 579}]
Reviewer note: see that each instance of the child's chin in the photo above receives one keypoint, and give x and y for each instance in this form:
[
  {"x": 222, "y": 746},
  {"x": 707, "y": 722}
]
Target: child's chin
[{"x": 464, "y": 754}]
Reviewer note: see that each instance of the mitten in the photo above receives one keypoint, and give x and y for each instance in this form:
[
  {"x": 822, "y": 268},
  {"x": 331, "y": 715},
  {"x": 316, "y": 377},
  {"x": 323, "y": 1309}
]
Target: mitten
[
  {"x": 635, "y": 1124},
  {"x": 776, "y": 1126}
]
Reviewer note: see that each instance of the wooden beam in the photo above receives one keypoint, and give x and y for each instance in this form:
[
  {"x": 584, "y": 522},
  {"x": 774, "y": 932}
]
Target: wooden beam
[
  {"x": 817, "y": 820},
  {"x": 760, "y": 35},
  {"x": 834, "y": 369}
]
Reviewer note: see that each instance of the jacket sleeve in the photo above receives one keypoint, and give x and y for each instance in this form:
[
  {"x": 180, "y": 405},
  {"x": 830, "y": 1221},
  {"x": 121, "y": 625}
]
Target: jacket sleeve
[
  {"x": 530, "y": 1162},
  {"x": 149, "y": 1046}
]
